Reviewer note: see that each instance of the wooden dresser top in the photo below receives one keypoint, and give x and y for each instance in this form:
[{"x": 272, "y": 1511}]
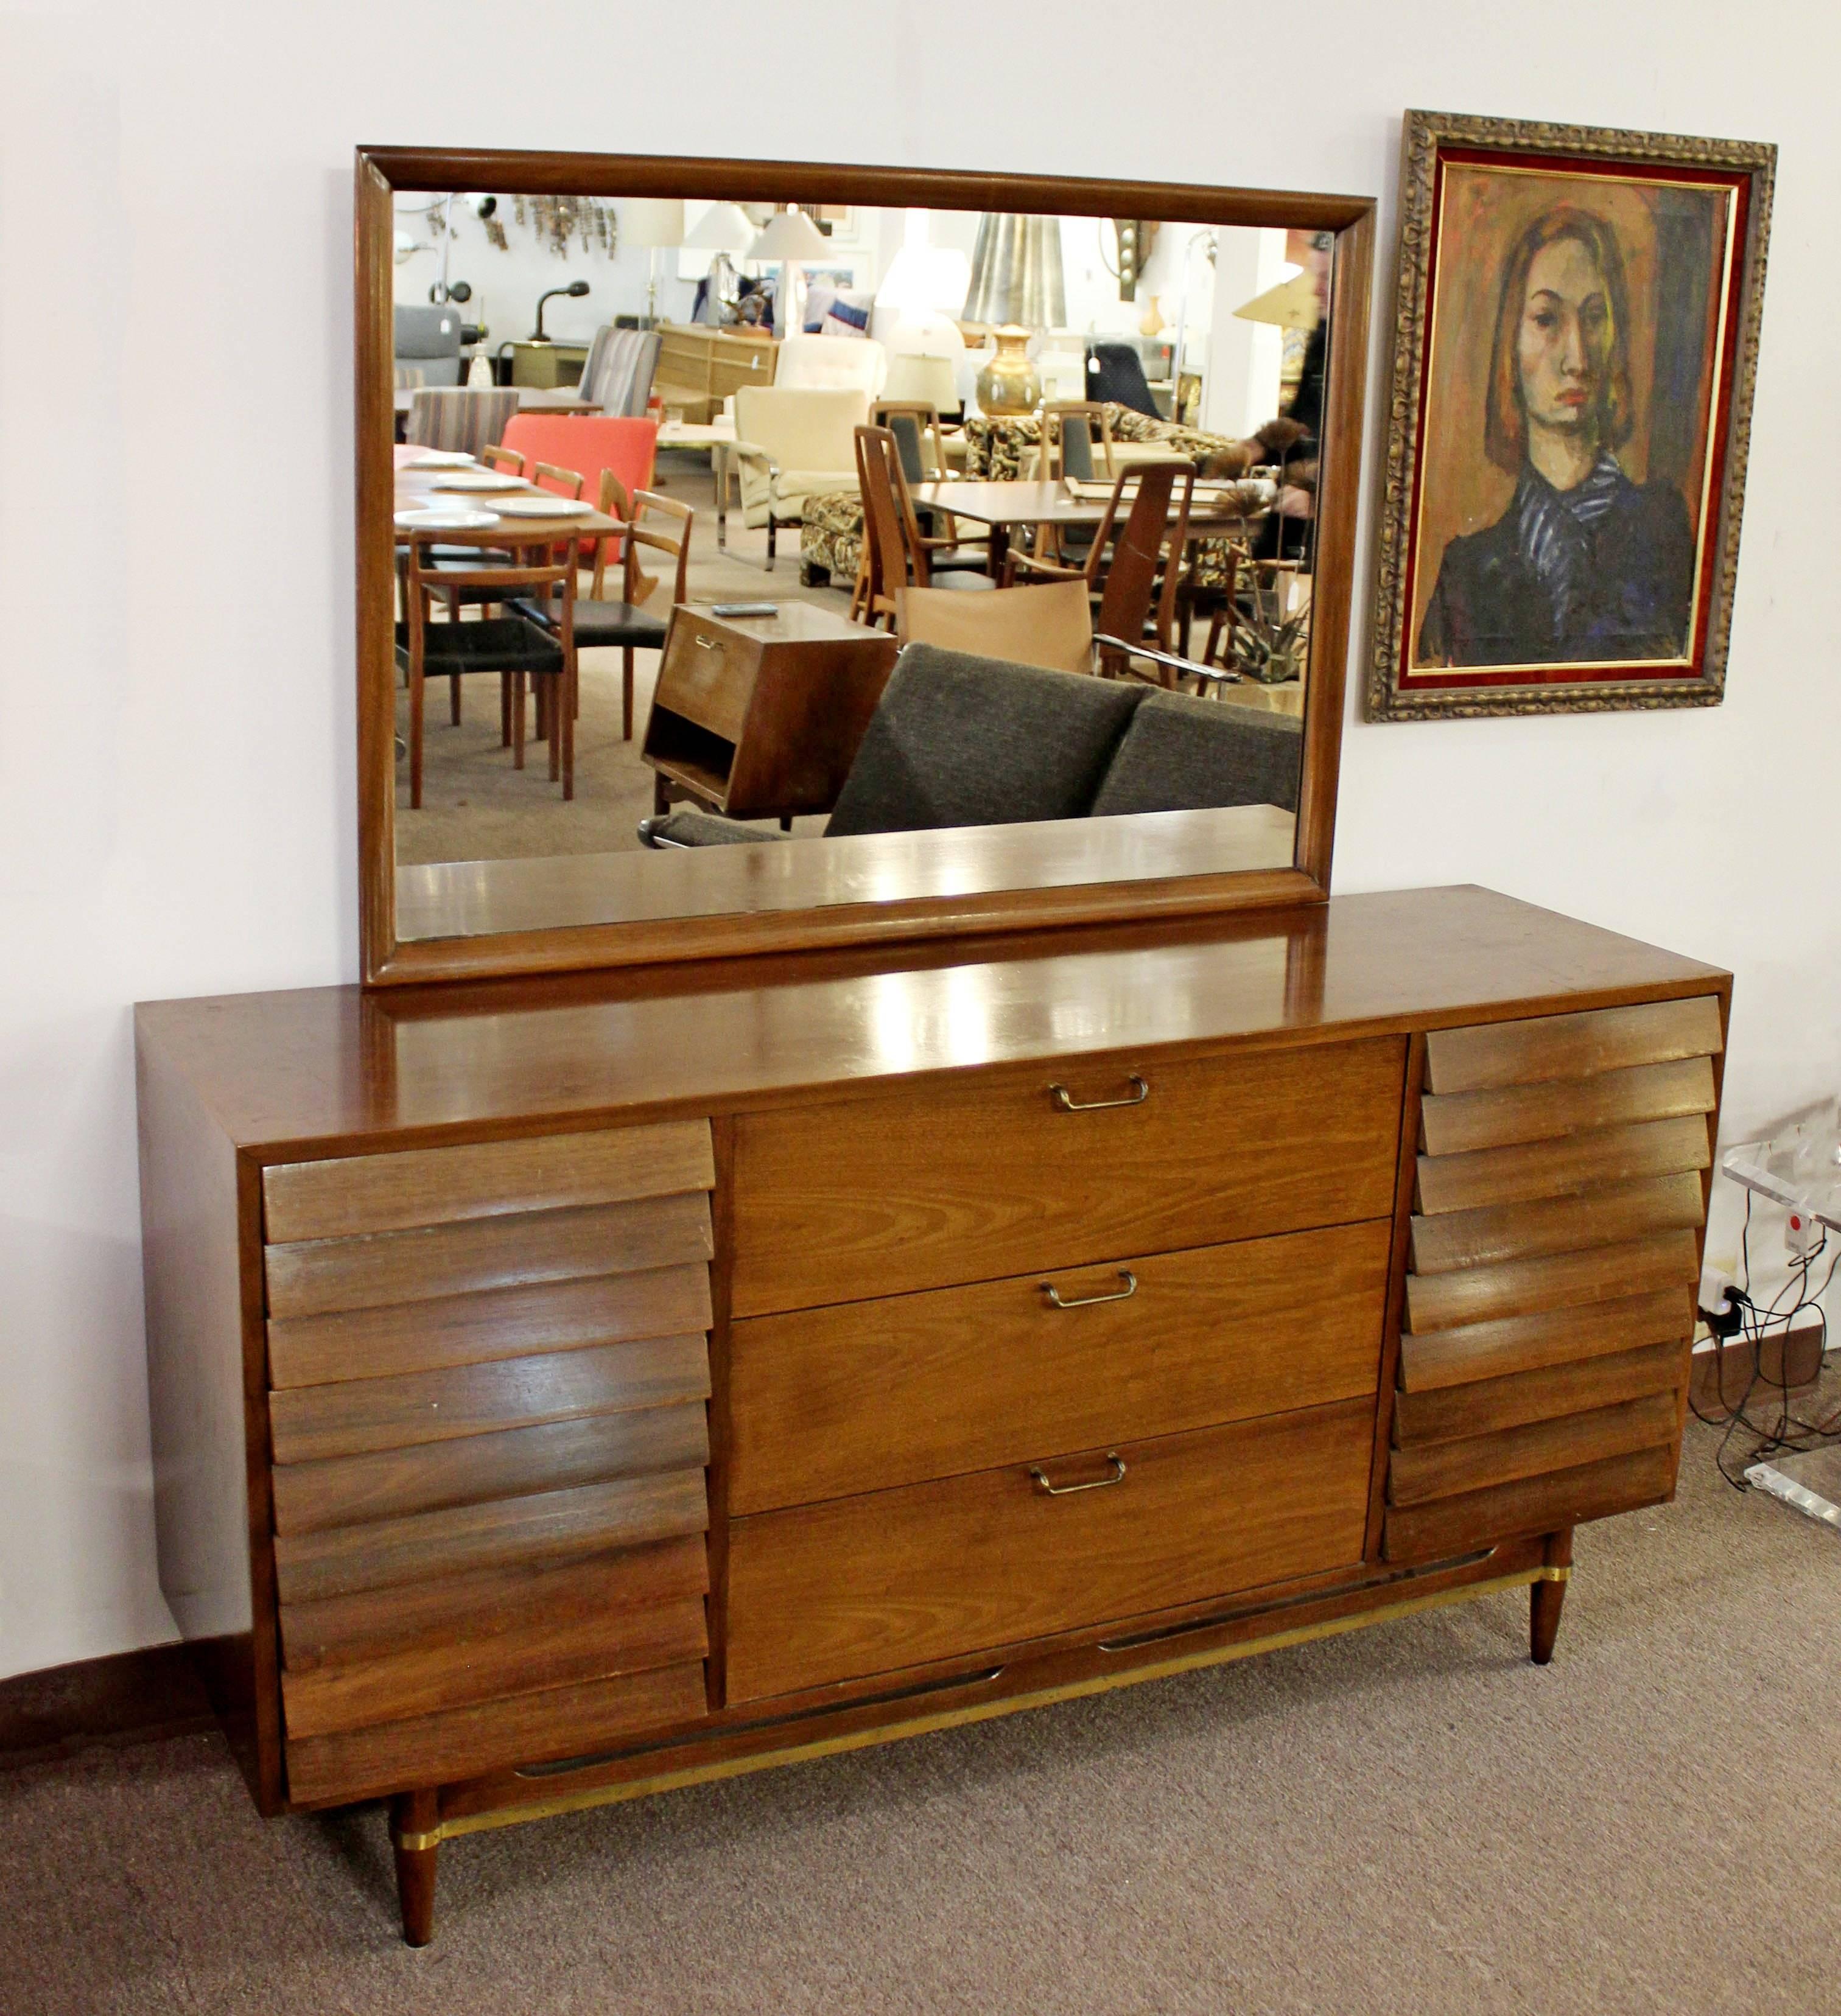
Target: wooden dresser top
[{"x": 301, "y": 1070}]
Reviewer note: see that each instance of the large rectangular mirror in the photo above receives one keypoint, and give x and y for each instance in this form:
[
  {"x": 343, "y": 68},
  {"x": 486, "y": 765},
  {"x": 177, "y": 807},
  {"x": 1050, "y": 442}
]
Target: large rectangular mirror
[{"x": 758, "y": 556}]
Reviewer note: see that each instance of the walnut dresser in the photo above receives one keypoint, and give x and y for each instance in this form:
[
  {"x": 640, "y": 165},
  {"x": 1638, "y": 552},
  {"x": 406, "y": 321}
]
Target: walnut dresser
[{"x": 566, "y": 1390}]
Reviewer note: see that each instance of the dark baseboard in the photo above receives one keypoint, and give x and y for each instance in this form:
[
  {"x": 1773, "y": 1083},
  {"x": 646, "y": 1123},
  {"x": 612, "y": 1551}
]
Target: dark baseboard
[
  {"x": 129, "y": 1697},
  {"x": 1718, "y": 1378}
]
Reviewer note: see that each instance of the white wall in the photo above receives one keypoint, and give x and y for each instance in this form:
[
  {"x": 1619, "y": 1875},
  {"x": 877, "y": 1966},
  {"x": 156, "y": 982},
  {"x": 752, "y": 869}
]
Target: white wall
[
  {"x": 176, "y": 800},
  {"x": 506, "y": 284}
]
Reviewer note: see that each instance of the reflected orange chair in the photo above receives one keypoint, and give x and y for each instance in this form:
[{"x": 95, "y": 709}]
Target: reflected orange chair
[{"x": 588, "y": 443}]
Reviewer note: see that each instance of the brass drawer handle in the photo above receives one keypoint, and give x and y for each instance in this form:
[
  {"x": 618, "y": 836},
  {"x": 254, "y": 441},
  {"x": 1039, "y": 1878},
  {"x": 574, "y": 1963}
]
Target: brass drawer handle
[
  {"x": 1088, "y": 1302},
  {"x": 1069, "y": 1104},
  {"x": 1068, "y": 1490},
  {"x": 709, "y": 643}
]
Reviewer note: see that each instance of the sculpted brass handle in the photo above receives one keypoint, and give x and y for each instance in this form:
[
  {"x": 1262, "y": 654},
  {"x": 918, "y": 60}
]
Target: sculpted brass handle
[
  {"x": 1068, "y": 1490},
  {"x": 709, "y": 643},
  {"x": 1056, "y": 1301},
  {"x": 1069, "y": 1104}
]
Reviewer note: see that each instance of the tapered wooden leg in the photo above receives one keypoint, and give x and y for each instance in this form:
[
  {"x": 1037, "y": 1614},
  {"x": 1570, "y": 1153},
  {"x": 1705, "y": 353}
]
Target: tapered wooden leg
[
  {"x": 414, "y": 1817},
  {"x": 660, "y": 795},
  {"x": 454, "y": 697},
  {"x": 517, "y": 720},
  {"x": 626, "y": 677},
  {"x": 552, "y": 702},
  {"x": 505, "y": 710},
  {"x": 1545, "y": 1597}
]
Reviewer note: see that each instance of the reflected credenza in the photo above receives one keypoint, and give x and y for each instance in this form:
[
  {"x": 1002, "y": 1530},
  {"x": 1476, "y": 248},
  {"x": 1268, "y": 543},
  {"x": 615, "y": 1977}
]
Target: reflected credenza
[{"x": 566, "y": 1390}]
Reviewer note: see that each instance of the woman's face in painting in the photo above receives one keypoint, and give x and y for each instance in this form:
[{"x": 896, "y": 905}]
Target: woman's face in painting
[{"x": 1563, "y": 343}]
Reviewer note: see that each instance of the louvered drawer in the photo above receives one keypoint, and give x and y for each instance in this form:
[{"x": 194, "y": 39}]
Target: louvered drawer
[
  {"x": 489, "y": 1371},
  {"x": 1556, "y": 1240}
]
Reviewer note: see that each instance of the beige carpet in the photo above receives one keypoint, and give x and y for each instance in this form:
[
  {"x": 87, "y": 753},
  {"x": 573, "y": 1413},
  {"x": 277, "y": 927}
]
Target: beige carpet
[
  {"x": 1412, "y": 1819},
  {"x": 476, "y": 807}
]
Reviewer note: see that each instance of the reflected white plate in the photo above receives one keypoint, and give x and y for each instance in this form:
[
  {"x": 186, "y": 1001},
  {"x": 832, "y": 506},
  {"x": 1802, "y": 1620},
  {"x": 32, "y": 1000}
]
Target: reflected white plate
[
  {"x": 445, "y": 518},
  {"x": 440, "y": 458},
  {"x": 544, "y": 507},
  {"x": 481, "y": 480}
]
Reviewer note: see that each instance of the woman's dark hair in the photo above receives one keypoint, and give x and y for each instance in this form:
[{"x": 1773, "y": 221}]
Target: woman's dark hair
[{"x": 1505, "y": 424}]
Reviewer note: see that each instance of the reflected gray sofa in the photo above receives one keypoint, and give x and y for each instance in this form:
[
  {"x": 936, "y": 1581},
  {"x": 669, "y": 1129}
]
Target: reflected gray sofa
[{"x": 960, "y": 741}]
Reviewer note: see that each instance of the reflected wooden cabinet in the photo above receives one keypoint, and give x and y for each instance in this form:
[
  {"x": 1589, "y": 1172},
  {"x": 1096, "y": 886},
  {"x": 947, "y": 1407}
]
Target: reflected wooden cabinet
[
  {"x": 759, "y": 717},
  {"x": 699, "y": 368},
  {"x": 586, "y": 1387}
]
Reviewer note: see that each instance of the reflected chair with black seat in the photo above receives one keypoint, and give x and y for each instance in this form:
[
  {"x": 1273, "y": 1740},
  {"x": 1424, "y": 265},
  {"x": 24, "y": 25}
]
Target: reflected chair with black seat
[
  {"x": 922, "y": 443},
  {"x": 510, "y": 645},
  {"x": 1145, "y": 563},
  {"x": 662, "y": 525},
  {"x": 1071, "y": 430},
  {"x": 897, "y": 553}
]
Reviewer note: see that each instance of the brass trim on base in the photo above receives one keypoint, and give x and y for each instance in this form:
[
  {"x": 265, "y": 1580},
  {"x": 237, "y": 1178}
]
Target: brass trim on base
[
  {"x": 414, "y": 1842},
  {"x": 866, "y": 1739}
]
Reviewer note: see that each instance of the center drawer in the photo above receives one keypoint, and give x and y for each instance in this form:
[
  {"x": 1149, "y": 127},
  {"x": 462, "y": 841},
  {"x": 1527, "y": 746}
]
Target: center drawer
[
  {"x": 863, "y": 1395},
  {"x": 996, "y": 1174},
  {"x": 897, "y": 1578}
]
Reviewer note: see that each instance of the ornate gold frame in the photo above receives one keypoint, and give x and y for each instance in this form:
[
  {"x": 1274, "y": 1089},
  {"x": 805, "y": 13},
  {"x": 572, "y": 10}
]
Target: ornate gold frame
[{"x": 1426, "y": 133}]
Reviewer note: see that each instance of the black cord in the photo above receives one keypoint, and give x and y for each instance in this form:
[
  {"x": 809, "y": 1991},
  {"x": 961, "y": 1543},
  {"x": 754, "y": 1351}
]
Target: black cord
[{"x": 1788, "y": 1433}]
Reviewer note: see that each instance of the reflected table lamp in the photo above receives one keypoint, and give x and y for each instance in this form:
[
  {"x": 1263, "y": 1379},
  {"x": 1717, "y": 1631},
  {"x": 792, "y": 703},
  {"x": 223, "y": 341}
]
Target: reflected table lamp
[
  {"x": 724, "y": 229},
  {"x": 655, "y": 222},
  {"x": 790, "y": 238}
]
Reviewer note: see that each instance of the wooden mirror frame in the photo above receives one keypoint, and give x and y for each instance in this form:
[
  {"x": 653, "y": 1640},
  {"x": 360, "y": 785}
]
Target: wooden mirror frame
[{"x": 812, "y": 906}]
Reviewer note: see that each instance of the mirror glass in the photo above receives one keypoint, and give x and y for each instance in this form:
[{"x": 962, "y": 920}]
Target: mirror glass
[{"x": 652, "y": 574}]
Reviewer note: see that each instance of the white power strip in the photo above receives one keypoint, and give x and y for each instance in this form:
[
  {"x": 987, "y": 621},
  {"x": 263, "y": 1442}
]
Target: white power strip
[{"x": 1766, "y": 1478}]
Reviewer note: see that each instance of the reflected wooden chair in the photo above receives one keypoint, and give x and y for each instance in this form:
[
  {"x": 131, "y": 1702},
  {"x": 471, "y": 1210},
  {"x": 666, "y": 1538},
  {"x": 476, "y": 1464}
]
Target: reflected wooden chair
[
  {"x": 898, "y": 554},
  {"x": 1139, "y": 590},
  {"x": 1076, "y": 442},
  {"x": 1049, "y": 623},
  {"x": 518, "y": 649},
  {"x": 660, "y": 525}
]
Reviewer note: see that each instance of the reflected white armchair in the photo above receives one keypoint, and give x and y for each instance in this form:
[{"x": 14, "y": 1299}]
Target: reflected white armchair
[
  {"x": 832, "y": 363},
  {"x": 793, "y": 442}
]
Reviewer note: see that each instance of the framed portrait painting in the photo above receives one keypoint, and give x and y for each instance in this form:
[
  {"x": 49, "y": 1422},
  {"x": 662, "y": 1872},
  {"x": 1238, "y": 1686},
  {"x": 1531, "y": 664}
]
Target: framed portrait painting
[{"x": 1575, "y": 348}]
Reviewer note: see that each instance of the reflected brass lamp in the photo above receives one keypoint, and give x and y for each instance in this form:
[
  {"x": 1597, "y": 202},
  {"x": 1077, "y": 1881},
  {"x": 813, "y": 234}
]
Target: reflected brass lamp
[{"x": 1017, "y": 290}]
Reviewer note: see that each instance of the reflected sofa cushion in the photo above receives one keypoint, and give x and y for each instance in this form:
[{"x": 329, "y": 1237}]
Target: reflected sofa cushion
[
  {"x": 1182, "y": 755},
  {"x": 959, "y": 741}
]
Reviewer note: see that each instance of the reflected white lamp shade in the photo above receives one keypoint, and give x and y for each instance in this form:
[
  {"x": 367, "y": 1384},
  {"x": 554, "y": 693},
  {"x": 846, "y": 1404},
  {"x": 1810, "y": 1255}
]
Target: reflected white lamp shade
[
  {"x": 653, "y": 220},
  {"x": 924, "y": 278},
  {"x": 724, "y": 227},
  {"x": 791, "y": 234}
]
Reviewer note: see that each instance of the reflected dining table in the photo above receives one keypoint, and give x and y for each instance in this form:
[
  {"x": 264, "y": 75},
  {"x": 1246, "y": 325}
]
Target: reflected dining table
[{"x": 1036, "y": 503}]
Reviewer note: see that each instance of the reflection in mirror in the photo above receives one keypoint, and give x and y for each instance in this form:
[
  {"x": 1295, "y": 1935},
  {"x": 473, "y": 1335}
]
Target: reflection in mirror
[{"x": 676, "y": 480}]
